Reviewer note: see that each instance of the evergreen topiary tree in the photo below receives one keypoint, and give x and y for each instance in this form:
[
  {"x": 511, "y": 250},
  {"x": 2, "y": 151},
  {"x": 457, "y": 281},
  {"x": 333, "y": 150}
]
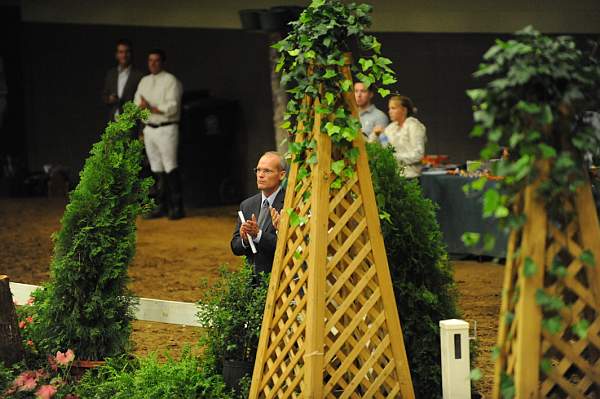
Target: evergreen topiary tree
[
  {"x": 421, "y": 272},
  {"x": 86, "y": 306}
]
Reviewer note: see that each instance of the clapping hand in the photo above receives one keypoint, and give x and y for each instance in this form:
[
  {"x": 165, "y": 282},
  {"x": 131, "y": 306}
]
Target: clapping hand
[
  {"x": 249, "y": 228},
  {"x": 275, "y": 217}
]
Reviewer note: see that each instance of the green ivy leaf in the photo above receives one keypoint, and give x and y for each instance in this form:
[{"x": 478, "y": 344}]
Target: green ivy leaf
[
  {"x": 529, "y": 267},
  {"x": 352, "y": 155},
  {"x": 312, "y": 159},
  {"x": 475, "y": 374},
  {"x": 365, "y": 63},
  {"x": 489, "y": 242},
  {"x": 329, "y": 73},
  {"x": 388, "y": 79},
  {"x": 332, "y": 129},
  {"x": 547, "y": 151},
  {"x": 491, "y": 201},
  {"x": 501, "y": 212},
  {"x": 530, "y": 108},
  {"x": 553, "y": 325},
  {"x": 336, "y": 184},
  {"x": 507, "y": 386},
  {"x": 509, "y": 317},
  {"x": 383, "y": 92},
  {"x": 495, "y": 353},
  {"x": 295, "y": 219},
  {"x": 346, "y": 85},
  {"x": 548, "y": 302},
  {"x": 470, "y": 238},
  {"x": 581, "y": 328},
  {"x": 330, "y": 98},
  {"x": 385, "y": 216},
  {"x": 546, "y": 366},
  {"x": 302, "y": 173},
  {"x": 587, "y": 257},
  {"x": 338, "y": 166}
]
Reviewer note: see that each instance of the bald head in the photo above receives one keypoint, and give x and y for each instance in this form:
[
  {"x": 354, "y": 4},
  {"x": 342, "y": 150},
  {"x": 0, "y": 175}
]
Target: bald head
[{"x": 270, "y": 172}]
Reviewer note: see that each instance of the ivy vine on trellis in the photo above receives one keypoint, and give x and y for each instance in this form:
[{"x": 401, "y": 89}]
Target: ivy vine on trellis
[
  {"x": 311, "y": 58},
  {"x": 538, "y": 90}
]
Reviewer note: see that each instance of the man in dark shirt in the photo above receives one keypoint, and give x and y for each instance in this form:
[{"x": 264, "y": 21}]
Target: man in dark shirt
[
  {"x": 261, "y": 212},
  {"x": 121, "y": 81}
]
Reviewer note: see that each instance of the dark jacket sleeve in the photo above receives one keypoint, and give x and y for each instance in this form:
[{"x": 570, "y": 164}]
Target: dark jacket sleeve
[
  {"x": 107, "y": 90},
  {"x": 236, "y": 242}
]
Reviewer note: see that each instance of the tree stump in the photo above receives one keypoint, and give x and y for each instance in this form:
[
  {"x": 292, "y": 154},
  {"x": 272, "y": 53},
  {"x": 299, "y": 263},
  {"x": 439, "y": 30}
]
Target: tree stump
[{"x": 11, "y": 347}]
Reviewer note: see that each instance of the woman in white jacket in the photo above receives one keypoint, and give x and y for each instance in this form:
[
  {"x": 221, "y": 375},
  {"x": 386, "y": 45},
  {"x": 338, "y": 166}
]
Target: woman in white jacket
[{"x": 406, "y": 133}]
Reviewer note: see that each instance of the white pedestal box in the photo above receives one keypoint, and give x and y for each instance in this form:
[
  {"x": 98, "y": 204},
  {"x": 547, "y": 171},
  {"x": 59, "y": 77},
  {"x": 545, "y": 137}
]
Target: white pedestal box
[{"x": 454, "y": 340}]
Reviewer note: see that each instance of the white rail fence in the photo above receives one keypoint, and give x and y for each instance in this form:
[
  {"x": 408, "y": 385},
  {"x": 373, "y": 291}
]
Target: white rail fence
[{"x": 173, "y": 312}]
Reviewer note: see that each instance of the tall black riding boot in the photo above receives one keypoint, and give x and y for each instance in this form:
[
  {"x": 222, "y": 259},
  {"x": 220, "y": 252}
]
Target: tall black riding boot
[
  {"x": 159, "y": 192},
  {"x": 176, "y": 198}
]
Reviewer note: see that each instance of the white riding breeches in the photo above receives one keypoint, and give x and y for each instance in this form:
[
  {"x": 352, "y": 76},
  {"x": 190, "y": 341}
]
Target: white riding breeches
[{"x": 161, "y": 147}]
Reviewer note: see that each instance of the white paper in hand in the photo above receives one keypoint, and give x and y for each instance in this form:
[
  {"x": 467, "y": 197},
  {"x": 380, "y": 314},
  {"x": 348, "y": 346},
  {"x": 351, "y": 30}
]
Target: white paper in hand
[{"x": 243, "y": 220}]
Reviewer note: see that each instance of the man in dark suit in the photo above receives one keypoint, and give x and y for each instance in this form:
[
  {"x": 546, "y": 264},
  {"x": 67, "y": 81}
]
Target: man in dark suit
[
  {"x": 120, "y": 82},
  {"x": 261, "y": 213}
]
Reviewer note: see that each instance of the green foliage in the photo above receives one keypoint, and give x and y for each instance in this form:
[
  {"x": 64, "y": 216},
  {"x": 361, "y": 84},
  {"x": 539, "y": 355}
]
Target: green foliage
[
  {"x": 311, "y": 57},
  {"x": 421, "y": 273},
  {"x": 148, "y": 378},
  {"x": 7, "y": 375},
  {"x": 536, "y": 92},
  {"x": 232, "y": 310},
  {"x": 86, "y": 306}
]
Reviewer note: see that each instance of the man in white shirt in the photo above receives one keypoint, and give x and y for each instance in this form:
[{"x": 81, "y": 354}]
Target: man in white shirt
[
  {"x": 370, "y": 116},
  {"x": 160, "y": 92},
  {"x": 121, "y": 81}
]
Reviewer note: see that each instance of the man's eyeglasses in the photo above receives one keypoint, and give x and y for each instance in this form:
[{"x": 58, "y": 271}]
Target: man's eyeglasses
[{"x": 265, "y": 171}]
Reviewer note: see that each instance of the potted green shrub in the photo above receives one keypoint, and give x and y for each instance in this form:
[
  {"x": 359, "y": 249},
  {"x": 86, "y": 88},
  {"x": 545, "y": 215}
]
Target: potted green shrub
[
  {"x": 232, "y": 310},
  {"x": 421, "y": 272},
  {"x": 86, "y": 305}
]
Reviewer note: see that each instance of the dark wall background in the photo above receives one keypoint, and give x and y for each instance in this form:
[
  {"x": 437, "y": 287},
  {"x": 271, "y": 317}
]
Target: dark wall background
[{"x": 65, "y": 65}]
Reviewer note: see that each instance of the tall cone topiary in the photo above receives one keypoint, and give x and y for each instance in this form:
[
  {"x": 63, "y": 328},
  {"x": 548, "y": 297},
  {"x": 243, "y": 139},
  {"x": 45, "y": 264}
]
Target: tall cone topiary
[{"x": 86, "y": 305}]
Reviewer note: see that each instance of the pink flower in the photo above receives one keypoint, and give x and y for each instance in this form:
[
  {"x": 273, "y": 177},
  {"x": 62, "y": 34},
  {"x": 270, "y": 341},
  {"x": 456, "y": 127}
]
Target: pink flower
[
  {"x": 65, "y": 358},
  {"x": 29, "y": 342},
  {"x": 29, "y": 319},
  {"x": 22, "y": 324},
  {"x": 71, "y": 396},
  {"x": 52, "y": 363},
  {"x": 45, "y": 392},
  {"x": 30, "y": 300},
  {"x": 26, "y": 381}
]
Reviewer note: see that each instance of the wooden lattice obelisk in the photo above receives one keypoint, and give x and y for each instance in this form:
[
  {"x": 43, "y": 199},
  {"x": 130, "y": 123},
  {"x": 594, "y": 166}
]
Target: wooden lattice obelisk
[
  {"x": 540, "y": 362},
  {"x": 331, "y": 327}
]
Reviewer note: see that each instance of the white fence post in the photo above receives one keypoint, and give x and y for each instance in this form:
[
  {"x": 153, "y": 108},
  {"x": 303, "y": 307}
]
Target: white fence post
[{"x": 454, "y": 340}]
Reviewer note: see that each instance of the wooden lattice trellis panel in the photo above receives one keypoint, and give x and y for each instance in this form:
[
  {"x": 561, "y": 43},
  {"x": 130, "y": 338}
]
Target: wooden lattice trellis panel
[
  {"x": 571, "y": 364},
  {"x": 331, "y": 327}
]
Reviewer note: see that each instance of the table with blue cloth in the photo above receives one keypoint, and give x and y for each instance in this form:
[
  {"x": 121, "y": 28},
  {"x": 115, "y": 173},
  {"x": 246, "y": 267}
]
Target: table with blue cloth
[{"x": 459, "y": 213}]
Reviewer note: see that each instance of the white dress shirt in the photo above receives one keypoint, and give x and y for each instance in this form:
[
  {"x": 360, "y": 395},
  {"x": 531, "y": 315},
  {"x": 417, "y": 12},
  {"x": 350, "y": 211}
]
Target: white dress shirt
[
  {"x": 122, "y": 80},
  {"x": 162, "y": 91},
  {"x": 409, "y": 141}
]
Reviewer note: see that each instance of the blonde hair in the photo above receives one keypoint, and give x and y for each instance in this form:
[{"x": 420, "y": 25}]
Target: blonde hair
[{"x": 406, "y": 102}]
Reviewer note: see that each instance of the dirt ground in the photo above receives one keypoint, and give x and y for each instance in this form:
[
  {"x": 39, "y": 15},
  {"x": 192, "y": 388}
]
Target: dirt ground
[{"x": 173, "y": 256}]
